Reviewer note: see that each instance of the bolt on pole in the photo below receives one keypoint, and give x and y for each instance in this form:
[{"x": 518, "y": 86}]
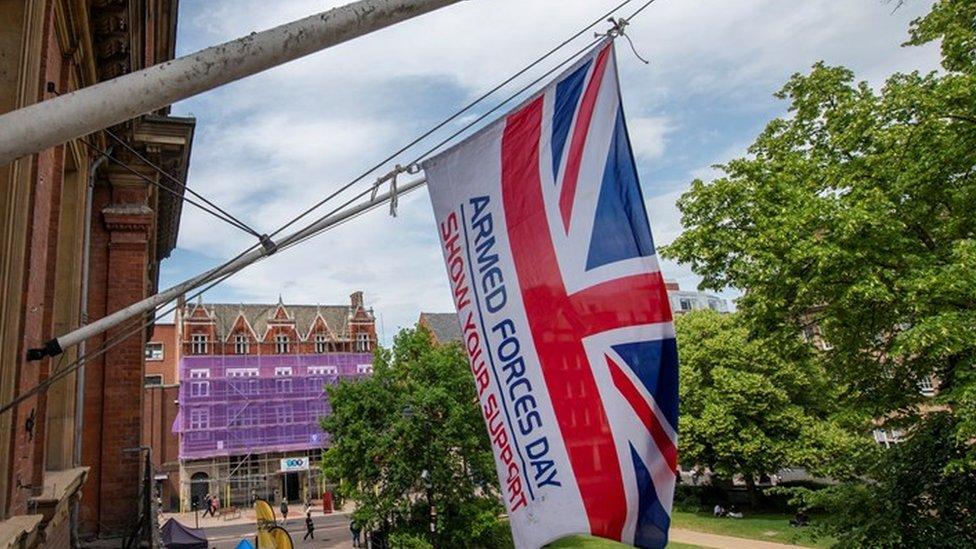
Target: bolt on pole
[{"x": 48, "y": 123}]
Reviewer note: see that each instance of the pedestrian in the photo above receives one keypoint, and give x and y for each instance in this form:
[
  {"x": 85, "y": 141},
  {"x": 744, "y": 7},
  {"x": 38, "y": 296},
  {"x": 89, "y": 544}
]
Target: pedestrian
[
  {"x": 309, "y": 527},
  {"x": 207, "y": 505},
  {"x": 214, "y": 505},
  {"x": 254, "y": 497},
  {"x": 284, "y": 511},
  {"x": 355, "y": 529}
]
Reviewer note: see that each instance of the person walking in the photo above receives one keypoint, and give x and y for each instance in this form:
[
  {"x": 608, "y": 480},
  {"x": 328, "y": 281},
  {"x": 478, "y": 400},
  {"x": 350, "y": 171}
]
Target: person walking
[
  {"x": 355, "y": 529},
  {"x": 207, "y": 505},
  {"x": 284, "y": 511},
  {"x": 309, "y": 527}
]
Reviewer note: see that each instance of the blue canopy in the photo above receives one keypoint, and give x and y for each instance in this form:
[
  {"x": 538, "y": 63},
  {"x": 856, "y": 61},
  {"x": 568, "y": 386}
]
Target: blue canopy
[{"x": 244, "y": 544}]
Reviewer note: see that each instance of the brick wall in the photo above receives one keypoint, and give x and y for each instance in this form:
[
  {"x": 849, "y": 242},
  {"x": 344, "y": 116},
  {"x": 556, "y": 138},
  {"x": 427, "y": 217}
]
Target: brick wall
[{"x": 166, "y": 335}]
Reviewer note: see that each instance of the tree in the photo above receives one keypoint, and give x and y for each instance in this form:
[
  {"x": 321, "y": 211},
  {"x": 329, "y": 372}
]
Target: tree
[
  {"x": 855, "y": 213},
  {"x": 751, "y": 406},
  {"x": 416, "y": 413}
]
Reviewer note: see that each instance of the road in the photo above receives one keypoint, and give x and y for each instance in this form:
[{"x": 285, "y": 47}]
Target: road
[{"x": 330, "y": 531}]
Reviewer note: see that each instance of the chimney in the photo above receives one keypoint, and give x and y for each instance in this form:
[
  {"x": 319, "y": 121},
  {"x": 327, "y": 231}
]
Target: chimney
[
  {"x": 356, "y": 300},
  {"x": 671, "y": 286}
]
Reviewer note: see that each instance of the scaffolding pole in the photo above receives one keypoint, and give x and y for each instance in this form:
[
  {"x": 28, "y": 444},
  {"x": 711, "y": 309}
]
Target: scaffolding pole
[
  {"x": 57, "y": 345},
  {"x": 48, "y": 123}
]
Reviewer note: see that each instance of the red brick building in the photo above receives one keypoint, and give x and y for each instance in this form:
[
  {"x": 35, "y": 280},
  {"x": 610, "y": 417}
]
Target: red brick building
[
  {"x": 256, "y": 329},
  {"x": 160, "y": 410},
  {"x": 79, "y": 240},
  {"x": 163, "y": 355}
]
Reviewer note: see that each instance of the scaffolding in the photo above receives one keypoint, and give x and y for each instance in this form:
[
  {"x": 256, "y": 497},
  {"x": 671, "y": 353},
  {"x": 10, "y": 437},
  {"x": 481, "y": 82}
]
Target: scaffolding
[{"x": 240, "y": 415}]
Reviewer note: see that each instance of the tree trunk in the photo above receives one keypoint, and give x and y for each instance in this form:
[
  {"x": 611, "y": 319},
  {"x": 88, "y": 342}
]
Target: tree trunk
[{"x": 753, "y": 493}]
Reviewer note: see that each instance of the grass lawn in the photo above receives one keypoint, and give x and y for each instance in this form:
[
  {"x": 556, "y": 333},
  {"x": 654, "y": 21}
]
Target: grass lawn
[
  {"x": 589, "y": 542},
  {"x": 767, "y": 527}
]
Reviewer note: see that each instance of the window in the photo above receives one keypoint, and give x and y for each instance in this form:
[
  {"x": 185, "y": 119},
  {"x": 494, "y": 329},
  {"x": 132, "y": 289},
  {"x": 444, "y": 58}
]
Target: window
[
  {"x": 154, "y": 351},
  {"x": 713, "y": 304},
  {"x": 322, "y": 370},
  {"x": 685, "y": 304},
  {"x": 888, "y": 438},
  {"x": 283, "y": 371},
  {"x": 199, "y": 388},
  {"x": 284, "y": 414},
  {"x": 364, "y": 369},
  {"x": 153, "y": 380},
  {"x": 281, "y": 344},
  {"x": 198, "y": 344},
  {"x": 319, "y": 343},
  {"x": 241, "y": 344},
  {"x": 926, "y": 387},
  {"x": 242, "y": 372},
  {"x": 283, "y": 385},
  {"x": 199, "y": 418},
  {"x": 362, "y": 342}
]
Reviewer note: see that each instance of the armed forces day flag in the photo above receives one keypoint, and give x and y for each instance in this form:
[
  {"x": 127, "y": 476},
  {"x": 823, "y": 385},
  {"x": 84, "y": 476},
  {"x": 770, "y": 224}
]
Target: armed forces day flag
[{"x": 564, "y": 312}]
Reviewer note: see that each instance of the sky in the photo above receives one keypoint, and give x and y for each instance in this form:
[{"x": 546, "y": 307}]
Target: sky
[{"x": 269, "y": 146}]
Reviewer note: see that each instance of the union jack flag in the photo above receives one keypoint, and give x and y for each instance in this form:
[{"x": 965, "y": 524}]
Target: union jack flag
[{"x": 573, "y": 237}]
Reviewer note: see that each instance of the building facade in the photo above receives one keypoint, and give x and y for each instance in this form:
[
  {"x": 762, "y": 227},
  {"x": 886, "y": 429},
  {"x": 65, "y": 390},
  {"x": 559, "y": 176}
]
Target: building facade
[
  {"x": 160, "y": 411},
  {"x": 79, "y": 239},
  {"x": 684, "y": 301},
  {"x": 253, "y": 384}
]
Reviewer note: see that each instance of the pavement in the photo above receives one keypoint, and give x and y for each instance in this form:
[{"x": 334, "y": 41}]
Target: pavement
[
  {"x": 332, "y": 530},
  {"x": 716, "y": 541}
]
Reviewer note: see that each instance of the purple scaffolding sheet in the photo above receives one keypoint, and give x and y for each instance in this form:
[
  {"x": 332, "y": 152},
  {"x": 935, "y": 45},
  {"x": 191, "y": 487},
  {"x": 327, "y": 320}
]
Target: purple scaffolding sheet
[{"x": 235, "y": 404}]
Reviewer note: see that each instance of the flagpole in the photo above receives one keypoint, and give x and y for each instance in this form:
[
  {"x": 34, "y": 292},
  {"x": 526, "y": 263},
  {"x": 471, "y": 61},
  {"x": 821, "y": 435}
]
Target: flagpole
[
  {"x": 43, "y": 125},
  {"x": 57, "y": 345}
]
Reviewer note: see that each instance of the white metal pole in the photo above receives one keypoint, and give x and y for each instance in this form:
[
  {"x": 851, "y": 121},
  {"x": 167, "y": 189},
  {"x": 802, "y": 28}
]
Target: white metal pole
[
  {"x": 48, "y": 123},
  {"x": 57, "y": 345}
]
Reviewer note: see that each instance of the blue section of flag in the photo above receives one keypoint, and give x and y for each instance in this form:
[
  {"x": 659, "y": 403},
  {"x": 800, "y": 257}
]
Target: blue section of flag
[
  {"x": 620, "y": 230},
  {"x": 568, "y": 92},
  {"x": 652, "y": 520},
  {"x": 655, "y": 363}
]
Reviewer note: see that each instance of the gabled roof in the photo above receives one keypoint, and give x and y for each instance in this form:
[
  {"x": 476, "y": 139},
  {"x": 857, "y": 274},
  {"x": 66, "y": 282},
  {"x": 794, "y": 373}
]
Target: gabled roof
[
  {"x": 258, "y": 315},
  {"x": 444, "y": 326}
]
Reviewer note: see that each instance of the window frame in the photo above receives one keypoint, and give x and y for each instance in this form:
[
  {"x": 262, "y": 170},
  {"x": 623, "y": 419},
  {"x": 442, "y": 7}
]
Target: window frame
[
  {"x": 150, "y": 357},
  {"x": 282, "y": 344},
  {"x": 198, "y": 342},
  {"x": 242, "y": 344}
]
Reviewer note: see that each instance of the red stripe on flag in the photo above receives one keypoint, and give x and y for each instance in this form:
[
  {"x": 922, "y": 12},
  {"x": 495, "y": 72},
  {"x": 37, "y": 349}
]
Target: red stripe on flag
[
  {"x": 633, "y": 301},
  {"x": 556, "y": 329},
  {"x": 580, "y": 131},
  {"x": 646, "y": 414}
]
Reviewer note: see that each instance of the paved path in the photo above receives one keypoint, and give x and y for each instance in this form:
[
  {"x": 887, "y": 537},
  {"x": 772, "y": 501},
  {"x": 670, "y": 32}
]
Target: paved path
[{"x": 722, "y": 542}]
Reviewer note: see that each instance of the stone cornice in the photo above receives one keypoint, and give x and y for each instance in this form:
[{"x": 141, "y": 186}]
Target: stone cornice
[{"x": 128, "y": 217}]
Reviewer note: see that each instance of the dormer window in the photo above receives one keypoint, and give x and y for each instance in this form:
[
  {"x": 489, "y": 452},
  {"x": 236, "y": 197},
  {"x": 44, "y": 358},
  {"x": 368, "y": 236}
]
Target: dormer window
[
  {"x": 363, "y": 342},
  {"x": 198, "y": 344},
  {"x": 241, "y": 344},
  {"x": 281, "y": 344},
  {"x": 320, "y": 344}
]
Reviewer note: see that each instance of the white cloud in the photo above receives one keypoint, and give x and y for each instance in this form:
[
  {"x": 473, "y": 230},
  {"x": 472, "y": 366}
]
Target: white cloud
[
  {"x": 270, "y": 145},
  {"x": 647, "y": 136}
]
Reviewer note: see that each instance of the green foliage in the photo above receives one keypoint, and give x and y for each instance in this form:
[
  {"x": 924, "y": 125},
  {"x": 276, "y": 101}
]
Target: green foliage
[
  {"x": 751, "y": 406},
  {"x": 417, "y": 412},
  {"x": 855, "y": 213},
  {"x": 913, "y": 500}
]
